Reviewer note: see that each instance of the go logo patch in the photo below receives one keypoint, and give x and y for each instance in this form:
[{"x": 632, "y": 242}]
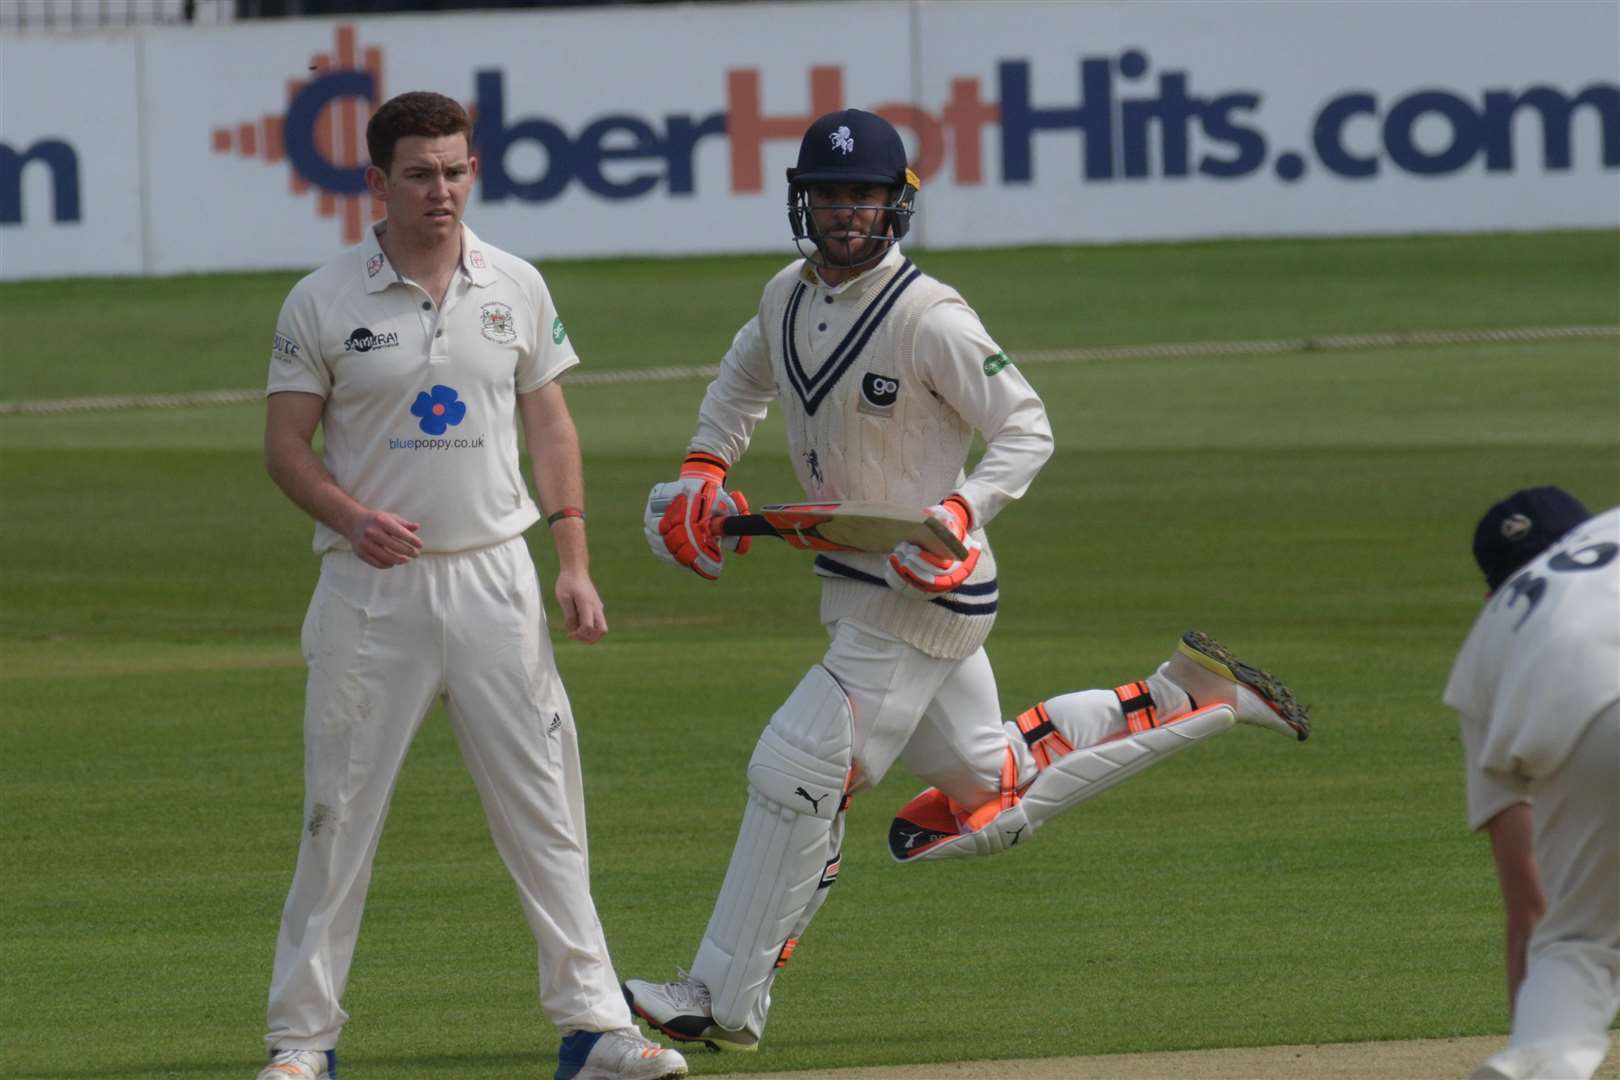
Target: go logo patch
[
  {"x": 557, "y": 331},
  {"x": 878, "y": 394},
  {"x": 993, "y": 364}
]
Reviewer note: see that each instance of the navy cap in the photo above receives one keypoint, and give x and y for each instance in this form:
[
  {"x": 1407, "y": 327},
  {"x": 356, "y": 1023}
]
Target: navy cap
[
  {"x": 850, "y": 147},
  {"x": 1522, "y": 526}
]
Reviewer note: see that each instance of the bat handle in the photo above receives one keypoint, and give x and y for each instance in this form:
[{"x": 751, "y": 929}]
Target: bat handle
[{"x": 746, "y": 525}]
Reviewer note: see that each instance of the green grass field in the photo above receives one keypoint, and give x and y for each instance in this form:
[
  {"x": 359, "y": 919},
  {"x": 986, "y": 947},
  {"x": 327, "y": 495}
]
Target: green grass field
[{"x": 1313, "y": 511}]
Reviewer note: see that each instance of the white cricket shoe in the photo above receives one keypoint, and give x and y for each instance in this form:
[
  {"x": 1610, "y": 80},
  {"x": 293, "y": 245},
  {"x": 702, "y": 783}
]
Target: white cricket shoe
[
  {"x": 616, "y": 1055},
  {"x": 300, "y": 1065},
  {"x": 682, "y": 1010},
  {"x": 1211, "y": 675}
]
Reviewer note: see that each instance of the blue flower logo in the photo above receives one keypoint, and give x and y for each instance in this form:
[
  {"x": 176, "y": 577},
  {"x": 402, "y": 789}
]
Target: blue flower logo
[{"x": 438, "y": 410}]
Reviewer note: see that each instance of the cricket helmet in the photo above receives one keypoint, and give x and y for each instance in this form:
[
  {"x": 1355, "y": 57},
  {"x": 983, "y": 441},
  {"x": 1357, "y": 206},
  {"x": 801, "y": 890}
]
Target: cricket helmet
[
  {"x": 1522, "y": 526},
  {"x": 852, "y": 147}
]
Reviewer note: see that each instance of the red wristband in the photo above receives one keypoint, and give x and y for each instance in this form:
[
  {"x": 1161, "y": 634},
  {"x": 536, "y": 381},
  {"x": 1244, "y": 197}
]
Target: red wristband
[{"x": 565, "y": 512}]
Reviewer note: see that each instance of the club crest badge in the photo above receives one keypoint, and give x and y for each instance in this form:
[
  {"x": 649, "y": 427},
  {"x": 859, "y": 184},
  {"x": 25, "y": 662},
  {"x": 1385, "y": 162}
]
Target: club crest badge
[
  {"x": 497, "y": 323},
  {"x": 373, "y": 265},
  {"x": 878, "y": 394},
  {"x": 843, "y": 141}
]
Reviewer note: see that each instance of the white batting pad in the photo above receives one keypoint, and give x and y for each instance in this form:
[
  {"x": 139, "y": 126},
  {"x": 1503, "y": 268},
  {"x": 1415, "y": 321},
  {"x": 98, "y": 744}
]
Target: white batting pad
[
  {"x": 795, "y": 785},
  {"x": 925, "y": 829}
]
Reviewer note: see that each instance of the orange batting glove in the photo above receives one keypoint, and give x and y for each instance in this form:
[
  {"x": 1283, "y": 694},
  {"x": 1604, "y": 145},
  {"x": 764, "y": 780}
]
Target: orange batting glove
[
  {"x": 913, "y": 572},
  {"x": 681, "y": 520}
]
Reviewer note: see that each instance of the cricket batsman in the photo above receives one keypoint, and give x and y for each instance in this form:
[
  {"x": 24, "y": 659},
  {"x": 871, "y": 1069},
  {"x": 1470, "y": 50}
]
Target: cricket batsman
[{"x": 884, "y": 375}]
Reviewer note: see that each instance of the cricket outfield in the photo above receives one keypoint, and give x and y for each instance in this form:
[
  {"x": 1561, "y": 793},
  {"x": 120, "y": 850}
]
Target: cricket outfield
[{"x": 1311, "y": 509}]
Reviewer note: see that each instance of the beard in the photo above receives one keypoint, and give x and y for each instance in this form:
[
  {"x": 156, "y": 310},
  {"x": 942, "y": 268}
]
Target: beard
[{"x": 848, "y": 252}]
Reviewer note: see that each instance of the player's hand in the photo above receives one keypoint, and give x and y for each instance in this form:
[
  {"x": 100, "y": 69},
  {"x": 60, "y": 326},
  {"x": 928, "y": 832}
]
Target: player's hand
[
  {"x": 681, "y": 521},
  {"x": 383, "y": 540},
  {"x": 913, "y": 572},
  {"x": 584, "y": 617}
]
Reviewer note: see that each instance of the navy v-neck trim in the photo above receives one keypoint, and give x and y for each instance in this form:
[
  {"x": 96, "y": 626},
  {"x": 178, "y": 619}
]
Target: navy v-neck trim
[{"x": 813, "y": 388}]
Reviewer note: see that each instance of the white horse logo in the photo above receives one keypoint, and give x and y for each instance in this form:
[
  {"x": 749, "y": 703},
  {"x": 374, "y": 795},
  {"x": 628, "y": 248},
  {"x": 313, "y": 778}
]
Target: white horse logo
[{"x": 843, "y": 141}]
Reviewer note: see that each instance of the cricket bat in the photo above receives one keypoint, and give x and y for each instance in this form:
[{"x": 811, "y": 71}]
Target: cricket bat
[{"x": 847, "y": 526}]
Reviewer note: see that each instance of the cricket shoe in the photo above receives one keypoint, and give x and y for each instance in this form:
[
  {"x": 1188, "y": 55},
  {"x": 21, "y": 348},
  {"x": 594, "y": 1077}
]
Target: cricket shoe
[
  {"x": 616, "y": 1055},
  {"x": 300, "y": 1065},
  {"x": 1211, "y": 675},
  {"x": 682, "y": 1010}
]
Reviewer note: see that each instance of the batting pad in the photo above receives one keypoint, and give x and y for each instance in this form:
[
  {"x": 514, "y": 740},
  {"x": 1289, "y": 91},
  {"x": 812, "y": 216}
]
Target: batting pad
[
  {"x": 795, "y": 786},
  {"x": 929, "y": 828}
]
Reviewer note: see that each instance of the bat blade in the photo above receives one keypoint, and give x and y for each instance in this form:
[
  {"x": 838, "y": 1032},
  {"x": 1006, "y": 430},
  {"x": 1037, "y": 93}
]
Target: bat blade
[{"x": 848, "y": 526}]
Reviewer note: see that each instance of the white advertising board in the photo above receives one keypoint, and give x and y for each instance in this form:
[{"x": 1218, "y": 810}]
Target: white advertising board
[
  {"x": 70, "y": 157},
  {"x": 666, "y": 130}
]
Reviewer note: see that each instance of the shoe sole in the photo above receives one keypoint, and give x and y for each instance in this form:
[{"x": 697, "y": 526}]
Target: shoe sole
[
  {"x": 1207, "y": 651},
  {"x": 719, "y": 1046}
]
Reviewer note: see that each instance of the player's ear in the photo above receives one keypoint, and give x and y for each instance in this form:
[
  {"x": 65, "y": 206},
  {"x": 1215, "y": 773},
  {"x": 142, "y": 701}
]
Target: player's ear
[
  {"x": 472, "y": 168},
  {"x": 376, "y": 182}
]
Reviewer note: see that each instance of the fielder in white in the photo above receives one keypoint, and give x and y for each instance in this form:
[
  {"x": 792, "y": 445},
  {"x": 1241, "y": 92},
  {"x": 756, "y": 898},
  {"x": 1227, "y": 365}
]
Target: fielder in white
[
  {"x": 1537, "y": 688},
  {"x": 884, "y": 375},
  {"x": 414, "y": 352}
]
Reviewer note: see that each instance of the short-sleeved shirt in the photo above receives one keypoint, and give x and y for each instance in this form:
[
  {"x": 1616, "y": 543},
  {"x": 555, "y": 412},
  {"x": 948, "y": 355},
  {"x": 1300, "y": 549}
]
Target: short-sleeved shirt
[
  {"x": 420, "y": 414},
  {"x": 1542, "y": 660}
]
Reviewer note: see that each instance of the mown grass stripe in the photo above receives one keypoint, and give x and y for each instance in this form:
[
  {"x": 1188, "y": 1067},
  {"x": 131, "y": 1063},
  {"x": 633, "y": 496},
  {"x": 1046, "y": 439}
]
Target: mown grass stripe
[{"x": 1326, "y": 343}]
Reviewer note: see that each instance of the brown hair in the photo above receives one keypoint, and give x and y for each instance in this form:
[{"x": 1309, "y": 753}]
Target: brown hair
[{"x": 420, "y": 112}]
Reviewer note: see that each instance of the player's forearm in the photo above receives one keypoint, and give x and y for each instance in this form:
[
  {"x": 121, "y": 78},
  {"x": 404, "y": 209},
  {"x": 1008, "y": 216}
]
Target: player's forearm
[
  {"x": 1523, "y": 901},
  {"x": 738, "y": 398},
  {"x": 304, "y": 479},
  {"x": 1013, "y": 456},
  {"x": 559, "y": 483}
]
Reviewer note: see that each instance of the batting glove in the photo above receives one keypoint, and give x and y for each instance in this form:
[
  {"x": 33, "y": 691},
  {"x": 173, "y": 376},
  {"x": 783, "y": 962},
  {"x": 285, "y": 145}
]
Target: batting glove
[
  {"x": 680, "y": 521},
  {"x": 919, "y": 574}
]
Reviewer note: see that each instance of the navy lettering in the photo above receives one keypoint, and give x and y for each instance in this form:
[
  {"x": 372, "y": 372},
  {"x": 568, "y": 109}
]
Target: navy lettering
[
  {"x": 1173, "y": 110},
  {"x": 493, "y": 138},
  {"x": 299, "y": 131},
  {"x": 682, "y": 138},
  {"x": 63, "y": 163},
  {"x": 1020, "y": 120},
  {"x": 1220, "y": 127},
  {"x": 592, "y": 152},
  {"x": 1555, "y": 109},
  {"x": 1403, "y": 117},
  {"x": 1328, "y": 135}
]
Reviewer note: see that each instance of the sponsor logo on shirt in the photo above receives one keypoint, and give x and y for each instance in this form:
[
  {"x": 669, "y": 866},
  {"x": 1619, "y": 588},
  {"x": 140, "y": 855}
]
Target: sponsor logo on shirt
[
  {"x": 373, "y": 265},
  {"x": 993, "y": 364},
  {"x": 878, "y": 394},
  {"x": 284, "y": 345},
  {"x": 557, "y": 331},
  {"x": 476, "y": 258},
  {"x": 497, "y": 323},
  {"x": 363, "y": 340},
  {"x": 438, "y": 409}
]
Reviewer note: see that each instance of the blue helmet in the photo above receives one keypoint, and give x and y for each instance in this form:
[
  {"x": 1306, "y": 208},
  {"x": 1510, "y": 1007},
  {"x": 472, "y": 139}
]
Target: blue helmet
[{"x": 852, "y": 147}]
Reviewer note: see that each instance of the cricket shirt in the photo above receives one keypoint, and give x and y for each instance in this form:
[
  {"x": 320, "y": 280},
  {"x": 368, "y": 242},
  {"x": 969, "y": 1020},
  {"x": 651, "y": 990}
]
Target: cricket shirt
[
  {"x": 420, "y": 413},
  {"x": 1542, "y": 659}
]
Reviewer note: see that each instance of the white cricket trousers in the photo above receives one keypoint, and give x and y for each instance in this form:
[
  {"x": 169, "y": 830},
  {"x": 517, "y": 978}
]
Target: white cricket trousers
[
  {"x": 1571, "y": 987},
  {"x": 943, "y": 719},
  {"x": 381, "y": 646}
]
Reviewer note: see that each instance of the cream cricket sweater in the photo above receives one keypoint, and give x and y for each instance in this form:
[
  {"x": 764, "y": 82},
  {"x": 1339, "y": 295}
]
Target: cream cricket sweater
[{"x": 883, "y": 381}]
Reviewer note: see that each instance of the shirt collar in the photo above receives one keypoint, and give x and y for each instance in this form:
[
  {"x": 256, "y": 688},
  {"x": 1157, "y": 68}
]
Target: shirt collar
[
  {"x": 475, "y": 259},
  {"x": 861, "y": 282},
  {"x": 380, "y": 273}
]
